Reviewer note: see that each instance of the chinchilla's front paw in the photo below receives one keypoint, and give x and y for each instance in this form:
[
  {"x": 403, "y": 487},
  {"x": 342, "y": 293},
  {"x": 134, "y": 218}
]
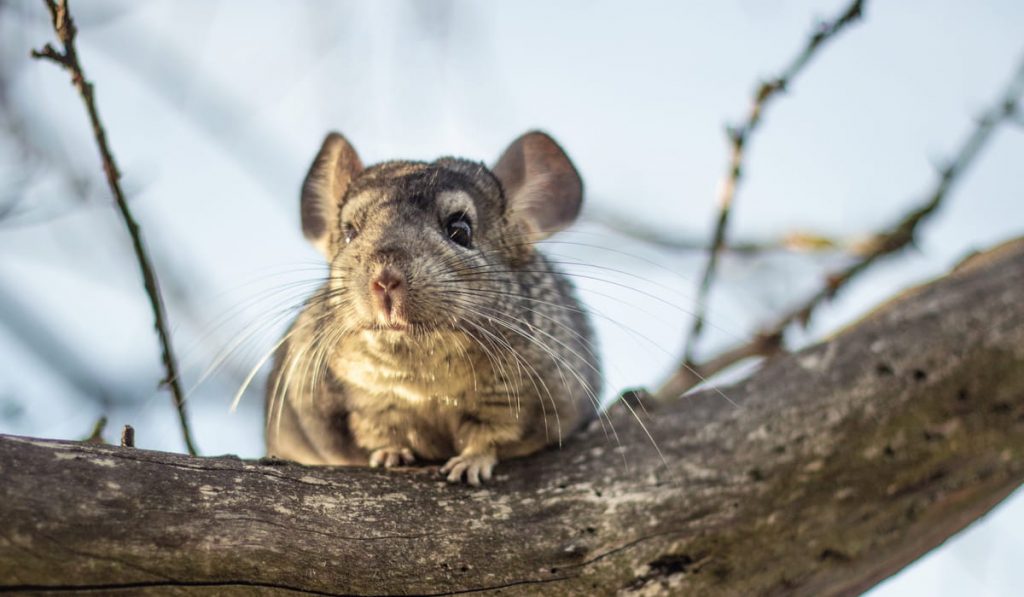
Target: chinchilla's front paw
[
  {"x": 474, "y": 467},
  {"x": 391, "y": 457}
]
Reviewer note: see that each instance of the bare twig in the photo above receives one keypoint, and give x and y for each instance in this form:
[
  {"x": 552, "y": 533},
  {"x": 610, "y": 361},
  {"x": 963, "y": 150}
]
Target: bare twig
[
  {"x": 636, "y": 230},
  {"x": 797, "y": 241},
  {"x": 128, "y": 437},
  {"x": 28, "y": 155},
  {"x": 738, "y": 139},
  {"x": 64, "y": 26},
  {"x": 896, "y": 237},
  {"x": 96, "y": 435}
]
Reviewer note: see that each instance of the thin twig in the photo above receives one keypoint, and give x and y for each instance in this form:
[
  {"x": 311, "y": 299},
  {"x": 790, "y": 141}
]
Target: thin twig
[
  {"x": 64, "y": 27},
  {"x": 128, "y": 437},
  {"x": 738, "y": 139},
  {"x": 896, "y": 237},
  {"x": 797, "y": 241},
  {"x": 96, "y": 435}
]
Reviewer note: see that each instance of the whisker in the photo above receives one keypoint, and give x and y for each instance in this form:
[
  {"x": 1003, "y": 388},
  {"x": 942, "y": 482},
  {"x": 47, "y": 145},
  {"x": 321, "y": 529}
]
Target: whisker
[
  {"x": 533, "y": 373},
  {"x": 556, "y": 358},
  {"x": 603, "y": 316}
]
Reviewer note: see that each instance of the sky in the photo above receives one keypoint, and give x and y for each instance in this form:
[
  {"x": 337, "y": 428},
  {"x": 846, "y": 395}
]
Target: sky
[{"x": 215, "y": 109}]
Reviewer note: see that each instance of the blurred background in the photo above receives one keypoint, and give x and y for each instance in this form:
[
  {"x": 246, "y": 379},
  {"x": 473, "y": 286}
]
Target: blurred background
[{"x": 215, "y": 109}]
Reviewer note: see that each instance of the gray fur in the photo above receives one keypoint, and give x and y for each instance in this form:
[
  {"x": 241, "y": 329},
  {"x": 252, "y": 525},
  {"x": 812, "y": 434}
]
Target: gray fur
[{"x": 492, "y": 355}]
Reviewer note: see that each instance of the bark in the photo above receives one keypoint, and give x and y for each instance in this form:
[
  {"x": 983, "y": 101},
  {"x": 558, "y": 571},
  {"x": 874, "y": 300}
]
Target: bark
[{"x": 823, "y": 473}]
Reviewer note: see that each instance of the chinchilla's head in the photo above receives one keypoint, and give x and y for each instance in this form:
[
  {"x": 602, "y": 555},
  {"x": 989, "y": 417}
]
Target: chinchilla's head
[{"x": 416, "y": 246}]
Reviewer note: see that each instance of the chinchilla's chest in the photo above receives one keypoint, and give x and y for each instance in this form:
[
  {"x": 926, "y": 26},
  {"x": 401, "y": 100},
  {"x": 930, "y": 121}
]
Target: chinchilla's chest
[{"x": 431, "y": 373}]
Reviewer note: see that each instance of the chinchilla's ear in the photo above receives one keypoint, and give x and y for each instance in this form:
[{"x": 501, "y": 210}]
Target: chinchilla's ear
[
  {"x": 332, "y": 171},
  {"x": 543, "y": 189}
]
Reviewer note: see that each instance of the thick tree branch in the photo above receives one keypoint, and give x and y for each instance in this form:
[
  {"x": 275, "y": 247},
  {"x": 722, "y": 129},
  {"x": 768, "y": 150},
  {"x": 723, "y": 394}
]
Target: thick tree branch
[
  {"x": 64, "y": 26},
  {"x": 738, "y": 139},
  {"x": 841, "y": 464},
  {"x": 899, "y": 235}
]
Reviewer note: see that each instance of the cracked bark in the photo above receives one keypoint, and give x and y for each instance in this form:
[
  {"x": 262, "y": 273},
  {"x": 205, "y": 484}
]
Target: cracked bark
[{"x": 841, "y": 464}]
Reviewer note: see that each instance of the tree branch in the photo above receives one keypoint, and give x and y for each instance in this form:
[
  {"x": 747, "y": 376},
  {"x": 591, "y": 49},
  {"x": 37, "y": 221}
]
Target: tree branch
[
  {"x": 738, "y": 139},
  {"x": 896, "y": 237},
  {"x": 840, "y": 465},
  {"x": 65, "y": 29}
]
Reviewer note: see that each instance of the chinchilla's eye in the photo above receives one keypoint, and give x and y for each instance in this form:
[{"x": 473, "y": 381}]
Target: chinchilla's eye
[
  {"x": 459, "y": 229},
  {"x": 349, "y": 231}
]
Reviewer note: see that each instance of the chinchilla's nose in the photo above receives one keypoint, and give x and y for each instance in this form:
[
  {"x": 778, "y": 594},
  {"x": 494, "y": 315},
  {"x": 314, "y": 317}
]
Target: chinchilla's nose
[
  {"x": 388, "y": 293},
  {"x": 386, "y": 284}
]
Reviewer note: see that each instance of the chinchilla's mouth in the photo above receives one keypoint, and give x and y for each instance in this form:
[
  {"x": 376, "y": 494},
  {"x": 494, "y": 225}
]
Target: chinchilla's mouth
[
  {"x": 399, "y": 326},
  {"x": 416, "y": 328}
]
